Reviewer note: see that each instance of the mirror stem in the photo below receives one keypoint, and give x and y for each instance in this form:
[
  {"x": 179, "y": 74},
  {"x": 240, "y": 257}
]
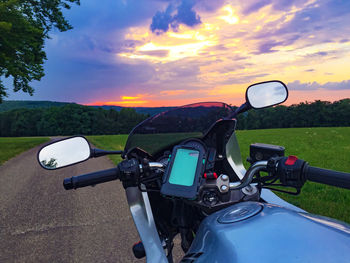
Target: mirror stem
[
  {"x": 243, "y": 108},
  {"x": 98, "y": 152}
]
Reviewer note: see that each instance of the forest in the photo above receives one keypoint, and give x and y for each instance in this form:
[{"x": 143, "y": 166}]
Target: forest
[
  {"x": 67, "y": 120},
  {"x": 305, "y": 114},
  {"x": 73, "y": 119}
]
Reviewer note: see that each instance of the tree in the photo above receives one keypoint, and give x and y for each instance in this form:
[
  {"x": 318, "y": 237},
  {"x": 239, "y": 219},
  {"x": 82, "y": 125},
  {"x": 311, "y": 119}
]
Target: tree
[{"x": 24, "y": 26}]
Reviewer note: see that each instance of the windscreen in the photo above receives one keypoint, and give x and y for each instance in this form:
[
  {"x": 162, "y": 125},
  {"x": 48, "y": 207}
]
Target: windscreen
[{"x": 173, "y": 126}]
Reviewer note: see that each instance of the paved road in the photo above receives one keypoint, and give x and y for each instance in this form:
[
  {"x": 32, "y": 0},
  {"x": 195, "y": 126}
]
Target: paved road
[{"x": 41, "y": 222}]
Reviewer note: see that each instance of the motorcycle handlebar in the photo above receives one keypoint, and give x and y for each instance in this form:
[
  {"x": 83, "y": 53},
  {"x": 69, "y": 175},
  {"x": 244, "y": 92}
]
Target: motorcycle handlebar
[
  {"x": 293, "y": 172},
  {"x": 91, "y": 179},
  {"x": 315, "y": 174},
  {"x": 329, "y": 177},
  {"x": 106, "y": 175}
]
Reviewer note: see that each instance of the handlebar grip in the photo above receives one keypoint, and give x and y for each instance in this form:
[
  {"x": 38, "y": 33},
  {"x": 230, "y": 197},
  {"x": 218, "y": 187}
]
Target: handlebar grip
[
  {"x": 91, "y": 179},
  {"x": 324, "y": 176}
]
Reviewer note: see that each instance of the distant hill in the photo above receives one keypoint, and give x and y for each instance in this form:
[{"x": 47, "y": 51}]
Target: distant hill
[{"x": 8, "y": 105}]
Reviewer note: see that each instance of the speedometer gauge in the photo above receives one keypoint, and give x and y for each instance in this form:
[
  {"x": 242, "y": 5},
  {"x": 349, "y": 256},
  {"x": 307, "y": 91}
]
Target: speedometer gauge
[{"x": 196, "y": 144}]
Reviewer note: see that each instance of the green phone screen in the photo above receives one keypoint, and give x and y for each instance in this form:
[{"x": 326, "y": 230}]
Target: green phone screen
[{"x": 184, "y": 168}]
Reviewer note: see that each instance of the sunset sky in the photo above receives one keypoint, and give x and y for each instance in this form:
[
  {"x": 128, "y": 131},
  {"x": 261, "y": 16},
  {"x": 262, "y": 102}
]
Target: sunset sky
[{"x": 167, "y": 53}]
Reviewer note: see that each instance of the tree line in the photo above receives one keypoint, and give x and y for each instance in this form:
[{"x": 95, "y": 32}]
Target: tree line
[
  {"x": 305, "y": 114},
  {"x": 68, "y": 120},
  {"x": 78, "y": 119}
]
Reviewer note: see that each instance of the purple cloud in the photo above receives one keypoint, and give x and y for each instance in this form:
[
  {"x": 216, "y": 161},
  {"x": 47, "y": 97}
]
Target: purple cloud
[
  {"x": 297, "y": 85},
  {"x": 284, "y": 5},
  {"x": 162, "y": 20},
  {"x": 186, "y": 15},
  {"x": 318, "y": 54},
  {"x": 173, "y": 17},
  {"x": 209, "y": 5},
  {"x": 155, "y": 53},
  {"x": 256, "y": 6},
  {"x": 280, "y": 5},
  {"x": 242, "y": 79},
  {"x": 324, "y": 14},
  {"x": 267, "y": 47}
]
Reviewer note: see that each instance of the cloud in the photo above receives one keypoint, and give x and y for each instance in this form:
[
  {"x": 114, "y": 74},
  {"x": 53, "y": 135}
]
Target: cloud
[
  {"x": 279, "y": 5},
  {"x": 112, "y": 51},
  {"x": 313, "y": 17},
  {"x": 155, "y": 53},
  {"x": 174, "y": 16},
  {"x": 209, "y": 5},
  {"x": 162, "y": 20},
  {"x": 267, "y": 47},
  {"x": 256, "y": 6},
  {"x": 110, "y": 15},
  {"x": 283, "y": 5},
  {"x": 243, "y": 79},
  {"x": 79, "y": 80},
  {"x": 173, "y": 92},
  {"x": 297, "y": 85},
  {"x": 186, "y": 15},
  {"x": 318, "y": 54},
  {"x": 302, "y": 23}
]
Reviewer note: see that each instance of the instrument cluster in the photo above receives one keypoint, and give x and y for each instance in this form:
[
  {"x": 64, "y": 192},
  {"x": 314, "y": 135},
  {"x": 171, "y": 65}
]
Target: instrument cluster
[{"x": 211, "y": 190}]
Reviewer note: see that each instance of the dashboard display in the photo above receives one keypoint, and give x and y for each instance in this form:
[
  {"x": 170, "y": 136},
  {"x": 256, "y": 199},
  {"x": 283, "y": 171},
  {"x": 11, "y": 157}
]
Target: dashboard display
[{"x": 184, "y": 167}]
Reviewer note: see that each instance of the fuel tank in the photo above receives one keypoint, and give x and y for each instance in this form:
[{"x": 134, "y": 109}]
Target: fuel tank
[{"x": 259, "y": 232}]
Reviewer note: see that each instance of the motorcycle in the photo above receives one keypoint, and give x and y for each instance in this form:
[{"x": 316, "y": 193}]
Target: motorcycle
[{"x": 183, "y": 174}]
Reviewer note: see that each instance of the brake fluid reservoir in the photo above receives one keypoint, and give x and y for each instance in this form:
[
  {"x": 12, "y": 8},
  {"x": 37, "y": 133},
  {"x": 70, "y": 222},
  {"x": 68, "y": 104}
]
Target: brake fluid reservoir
[{"x": 239, "y": 212}]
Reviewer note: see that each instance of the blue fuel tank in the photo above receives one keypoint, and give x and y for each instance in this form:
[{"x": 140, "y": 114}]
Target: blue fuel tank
[{"x": 260, "y": 232}]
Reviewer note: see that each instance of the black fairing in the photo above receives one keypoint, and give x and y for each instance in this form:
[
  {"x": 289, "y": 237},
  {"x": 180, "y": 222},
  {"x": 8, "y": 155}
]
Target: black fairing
[{"x": 169, "y": 128}]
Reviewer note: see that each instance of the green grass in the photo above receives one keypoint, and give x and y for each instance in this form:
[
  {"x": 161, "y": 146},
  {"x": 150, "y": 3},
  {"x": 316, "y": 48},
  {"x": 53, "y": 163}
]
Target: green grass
[
  {"x": 12, "y": 146},
  {"x": 322, "y": 147}
]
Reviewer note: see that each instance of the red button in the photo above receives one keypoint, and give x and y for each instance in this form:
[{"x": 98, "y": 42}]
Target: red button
[{"x": 291, "y": 160}]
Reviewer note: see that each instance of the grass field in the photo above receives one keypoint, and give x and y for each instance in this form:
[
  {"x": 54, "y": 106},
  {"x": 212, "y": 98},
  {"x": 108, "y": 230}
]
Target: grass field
[
  {"x": 12, "y": 146},
  {"x": 323, "y": 147}
]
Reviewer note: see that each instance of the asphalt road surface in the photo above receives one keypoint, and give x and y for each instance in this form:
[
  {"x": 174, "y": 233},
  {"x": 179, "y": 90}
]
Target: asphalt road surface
[{"x": 42, "y": 222}]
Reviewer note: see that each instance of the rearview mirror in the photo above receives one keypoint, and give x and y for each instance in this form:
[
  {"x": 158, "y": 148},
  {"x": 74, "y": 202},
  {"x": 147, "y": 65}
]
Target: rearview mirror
[
  {"x": 64, "y": 153},
  {"x": 266, "y": 94}
]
